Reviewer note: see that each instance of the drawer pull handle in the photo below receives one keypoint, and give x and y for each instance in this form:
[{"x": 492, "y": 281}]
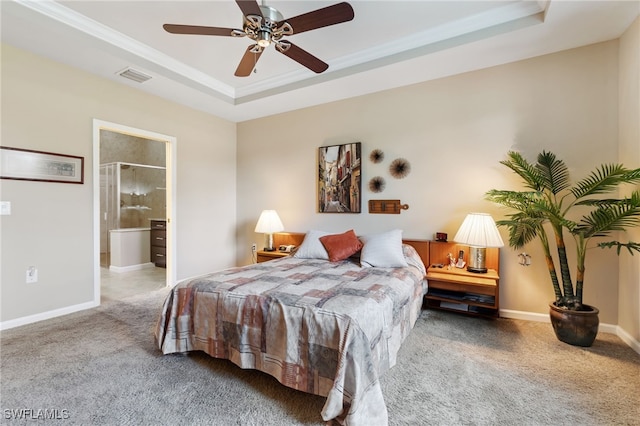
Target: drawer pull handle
[
  {"x": 159, "y": 255},
  {"x": 159, "y": 238}
]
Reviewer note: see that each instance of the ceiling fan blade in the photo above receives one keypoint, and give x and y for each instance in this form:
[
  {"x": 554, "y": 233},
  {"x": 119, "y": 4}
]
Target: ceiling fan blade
[
  {"x": 302, "y": 56},
  {"x": 248, "y": 62},
  {"x": 331, "y": 15},
  {"x": 198, "y": 30},
  {"x": 249, "y": 7}
]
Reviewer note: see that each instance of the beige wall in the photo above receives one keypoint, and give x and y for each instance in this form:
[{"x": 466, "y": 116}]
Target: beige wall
[
  {"x": 454, "y": 131},
  {"x": 629, "y": 130},
  {"x": 50, "y": 107}
]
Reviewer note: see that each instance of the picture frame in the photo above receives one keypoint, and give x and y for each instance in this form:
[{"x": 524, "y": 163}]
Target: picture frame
[
  {"x": 339, "y": 178},
  {"x": 32, "y": 165}
]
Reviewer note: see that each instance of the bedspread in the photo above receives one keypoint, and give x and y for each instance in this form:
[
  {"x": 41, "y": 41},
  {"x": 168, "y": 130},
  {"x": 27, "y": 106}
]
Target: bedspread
[{"x": 327, "y": 328}]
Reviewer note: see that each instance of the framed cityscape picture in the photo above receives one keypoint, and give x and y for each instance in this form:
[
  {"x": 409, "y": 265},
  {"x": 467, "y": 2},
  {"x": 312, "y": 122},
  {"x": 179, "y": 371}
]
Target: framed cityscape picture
[{"x": 339, "y": 178}]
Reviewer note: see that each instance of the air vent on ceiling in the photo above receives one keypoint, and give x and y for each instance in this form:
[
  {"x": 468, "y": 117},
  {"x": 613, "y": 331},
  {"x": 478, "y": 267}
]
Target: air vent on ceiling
[{"x": 131, "y": 74}]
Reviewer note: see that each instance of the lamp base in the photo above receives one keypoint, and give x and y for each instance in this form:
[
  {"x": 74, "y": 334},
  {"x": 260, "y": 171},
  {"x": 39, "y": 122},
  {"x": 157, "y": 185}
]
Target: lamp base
[
  {"x": 268, "y": 240},
  {"x": 477, "y": 260}
]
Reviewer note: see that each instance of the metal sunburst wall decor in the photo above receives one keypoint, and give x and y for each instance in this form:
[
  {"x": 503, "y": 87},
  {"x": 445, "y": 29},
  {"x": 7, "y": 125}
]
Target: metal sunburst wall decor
[
  {"x": 399, "y": 168},
  {"x": 376, "y": 156},
  {"x": 377, "y": 184}
]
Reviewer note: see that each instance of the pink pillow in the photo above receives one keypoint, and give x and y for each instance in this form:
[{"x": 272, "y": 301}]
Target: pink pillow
[{"x": 341, "y": 246}]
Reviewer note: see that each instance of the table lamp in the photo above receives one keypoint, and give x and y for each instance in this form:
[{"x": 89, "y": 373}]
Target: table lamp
[
  {"x": 478, "y": 231},
  {"x": 268, "y": 223}
]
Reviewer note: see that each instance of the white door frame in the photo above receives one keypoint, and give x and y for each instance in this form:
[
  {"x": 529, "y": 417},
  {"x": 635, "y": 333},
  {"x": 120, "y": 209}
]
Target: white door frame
[{"x": 171, "y": 150}]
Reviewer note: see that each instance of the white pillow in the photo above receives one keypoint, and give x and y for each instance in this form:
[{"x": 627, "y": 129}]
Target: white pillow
[
  {"x": 383, "y": 250},
  {"x": 311, "y": 247}
]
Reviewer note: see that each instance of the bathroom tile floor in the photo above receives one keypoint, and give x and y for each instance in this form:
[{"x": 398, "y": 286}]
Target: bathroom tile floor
[{"x": 119, "y": 285}]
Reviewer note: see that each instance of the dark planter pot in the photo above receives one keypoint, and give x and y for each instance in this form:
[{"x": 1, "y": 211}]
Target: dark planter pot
[{"x": 578, "y": 328}]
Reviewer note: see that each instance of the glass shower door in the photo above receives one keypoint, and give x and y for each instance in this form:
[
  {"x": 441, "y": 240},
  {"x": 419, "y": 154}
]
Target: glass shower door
[{"x": 109, "y": 211}]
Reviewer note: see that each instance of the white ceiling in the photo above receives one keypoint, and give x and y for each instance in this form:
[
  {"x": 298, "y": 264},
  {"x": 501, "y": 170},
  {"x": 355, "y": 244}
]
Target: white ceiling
[{"x": 388, "y": 44}]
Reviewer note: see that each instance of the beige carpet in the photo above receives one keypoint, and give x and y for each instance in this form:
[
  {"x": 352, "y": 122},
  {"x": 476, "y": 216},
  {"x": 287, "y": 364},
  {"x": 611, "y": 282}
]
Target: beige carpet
[{"x": 102, "y": 367}]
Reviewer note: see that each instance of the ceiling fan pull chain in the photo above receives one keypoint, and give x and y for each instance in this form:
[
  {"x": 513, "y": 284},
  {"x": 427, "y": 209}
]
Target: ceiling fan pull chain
[{"x": 255, "y": 63}]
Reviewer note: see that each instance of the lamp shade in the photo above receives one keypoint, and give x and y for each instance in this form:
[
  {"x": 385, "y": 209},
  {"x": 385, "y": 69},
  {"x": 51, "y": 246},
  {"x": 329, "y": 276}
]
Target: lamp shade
[
  {"x": 479, "y": 230},
  {"x": 269, "y": 222}
]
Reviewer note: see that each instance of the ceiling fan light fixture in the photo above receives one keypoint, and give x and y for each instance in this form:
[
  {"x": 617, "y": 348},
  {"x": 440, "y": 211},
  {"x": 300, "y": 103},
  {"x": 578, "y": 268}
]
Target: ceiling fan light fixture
[
  {"x": 264, "y": 38},
  {"x": 265, "y": 26}
]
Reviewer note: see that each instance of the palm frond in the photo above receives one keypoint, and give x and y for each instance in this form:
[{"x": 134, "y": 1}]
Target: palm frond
[
  {"x": 522, "y": 229},
  {"x": 633, "y": 176},
  {"x": 518, "y": 200},
  {"x": 554, "y": 172},
  {"x": 525, "y": 170},
  {"x": 615, "y": 215},
  {"x": 598, "y": 202},
  {"x": 604, "y": 179},
  {"x": 530, "y": 203},
  {"x": 630, "y": 246}
]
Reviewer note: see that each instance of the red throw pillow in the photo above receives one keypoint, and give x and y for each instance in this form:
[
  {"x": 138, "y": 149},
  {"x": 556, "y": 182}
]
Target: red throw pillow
[{"x": 341, "y": 246}]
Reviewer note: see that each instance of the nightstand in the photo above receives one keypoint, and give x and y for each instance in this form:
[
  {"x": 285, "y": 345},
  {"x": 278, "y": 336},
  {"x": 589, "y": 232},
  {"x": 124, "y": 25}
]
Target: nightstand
[
  {"x": 265, "y": 256},
  {"x": 458, "y": 290},
  {"x": 462, "y": 291}
]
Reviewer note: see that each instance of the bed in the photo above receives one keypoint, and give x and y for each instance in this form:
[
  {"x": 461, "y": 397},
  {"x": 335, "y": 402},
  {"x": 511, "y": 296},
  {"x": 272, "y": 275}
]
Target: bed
[{"x": 323, "y": 326}]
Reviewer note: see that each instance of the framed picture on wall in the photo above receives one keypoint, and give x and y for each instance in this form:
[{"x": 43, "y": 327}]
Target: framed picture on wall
[
  {"x": 26, "y": 164},
  {"x": 339, "y": 178}
]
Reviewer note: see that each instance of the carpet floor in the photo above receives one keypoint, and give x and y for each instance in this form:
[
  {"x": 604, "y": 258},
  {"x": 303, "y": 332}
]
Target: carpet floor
[{"x": 102, "y": 366}]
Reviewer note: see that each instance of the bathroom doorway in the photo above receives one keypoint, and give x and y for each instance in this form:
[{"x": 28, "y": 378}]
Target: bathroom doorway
[{"x": 133, "y": 196}]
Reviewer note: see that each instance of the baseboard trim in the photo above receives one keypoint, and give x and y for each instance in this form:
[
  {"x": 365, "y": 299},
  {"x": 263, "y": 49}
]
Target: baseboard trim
[
  {"x": 30, "y": 319},
  {"x": 522, "y": 315},
  {"x": 604, "y": 328},
  {"x": 130, "y": 268},
  {"x": 628, "y": 339}
]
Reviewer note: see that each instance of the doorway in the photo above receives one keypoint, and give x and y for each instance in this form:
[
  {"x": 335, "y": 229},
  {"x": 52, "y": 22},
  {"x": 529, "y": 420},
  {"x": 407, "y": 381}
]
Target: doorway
[{"x": 134, "y": 184}]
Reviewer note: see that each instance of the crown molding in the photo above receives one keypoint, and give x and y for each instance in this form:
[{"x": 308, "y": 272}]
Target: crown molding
[{"x": 428, "y": 41}]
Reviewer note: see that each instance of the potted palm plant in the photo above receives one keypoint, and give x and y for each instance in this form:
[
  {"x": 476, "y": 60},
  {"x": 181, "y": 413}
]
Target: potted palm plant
[{"x": 551, "y": 209}]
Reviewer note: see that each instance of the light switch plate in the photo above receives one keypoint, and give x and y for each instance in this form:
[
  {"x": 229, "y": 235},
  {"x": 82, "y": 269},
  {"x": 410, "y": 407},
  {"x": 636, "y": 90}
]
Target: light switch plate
[
  {"x": 32, "y": 274},
  {"x": 5, "y": 207}
]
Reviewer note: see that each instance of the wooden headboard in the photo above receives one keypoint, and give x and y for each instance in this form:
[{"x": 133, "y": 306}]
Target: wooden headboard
[
  {"x": 422, "y": 247},
  {"x": 296, "y": 238},
  {"x": 287, "y": 238}
]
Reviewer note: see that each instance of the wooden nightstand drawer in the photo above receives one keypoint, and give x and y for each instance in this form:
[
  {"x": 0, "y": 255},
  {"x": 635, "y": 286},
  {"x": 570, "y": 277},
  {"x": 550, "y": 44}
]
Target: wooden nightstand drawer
[
  {"x": 460, "y": 283},
  {"x": 265, "y": 256}
]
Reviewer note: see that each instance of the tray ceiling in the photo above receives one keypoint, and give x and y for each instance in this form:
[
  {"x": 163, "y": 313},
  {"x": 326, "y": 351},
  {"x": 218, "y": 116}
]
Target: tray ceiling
[{"x": 388, "y": 44}]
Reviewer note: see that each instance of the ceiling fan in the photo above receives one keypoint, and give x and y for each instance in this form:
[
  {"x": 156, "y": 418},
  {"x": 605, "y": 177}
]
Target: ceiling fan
[{"x": 265, "y": 25}]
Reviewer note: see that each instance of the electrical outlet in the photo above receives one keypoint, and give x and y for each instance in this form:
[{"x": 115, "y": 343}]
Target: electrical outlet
[
  {"x": 32, "y": 274},
  {"x": 254, "y": 247}
]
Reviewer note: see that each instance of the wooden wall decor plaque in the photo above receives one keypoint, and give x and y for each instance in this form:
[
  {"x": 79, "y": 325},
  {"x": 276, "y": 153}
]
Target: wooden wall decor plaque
[{"x": 387, "y": 206}]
